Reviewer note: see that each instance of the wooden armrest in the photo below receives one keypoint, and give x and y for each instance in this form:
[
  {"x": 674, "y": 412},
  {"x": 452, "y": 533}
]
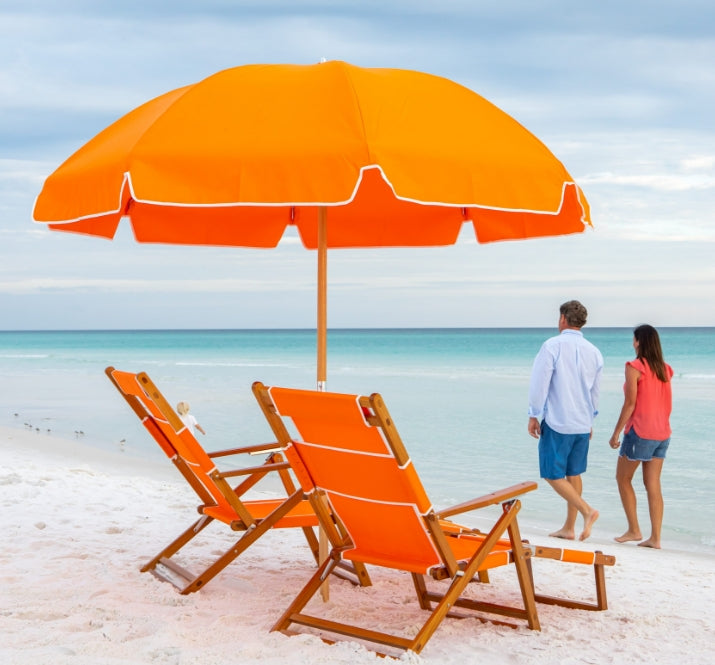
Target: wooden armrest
[
  {"x": 489, "y": 499},
  {"x": 263, "y": 469},
  {"x": 597, "y": 558},
  {"x": 251, "y": 450}
]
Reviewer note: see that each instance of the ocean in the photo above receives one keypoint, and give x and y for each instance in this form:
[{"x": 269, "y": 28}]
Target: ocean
[{"x": 457, "y": 396}]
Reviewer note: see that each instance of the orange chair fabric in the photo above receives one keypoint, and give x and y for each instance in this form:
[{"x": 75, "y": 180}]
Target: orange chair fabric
[{"x": 381, "y": 502}]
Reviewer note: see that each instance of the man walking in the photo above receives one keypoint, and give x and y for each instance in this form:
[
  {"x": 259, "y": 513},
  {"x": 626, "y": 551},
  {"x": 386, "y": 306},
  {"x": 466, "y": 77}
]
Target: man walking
[{"x": 563, "y": 401}]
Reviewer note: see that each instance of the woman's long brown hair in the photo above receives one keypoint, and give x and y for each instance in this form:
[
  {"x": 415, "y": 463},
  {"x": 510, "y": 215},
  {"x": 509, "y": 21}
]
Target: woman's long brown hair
[{"x": 649, "y": 349}]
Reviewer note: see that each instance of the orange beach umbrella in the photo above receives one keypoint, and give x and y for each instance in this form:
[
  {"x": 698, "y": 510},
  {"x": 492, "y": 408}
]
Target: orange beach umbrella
[{"x": 351, "y": 156}]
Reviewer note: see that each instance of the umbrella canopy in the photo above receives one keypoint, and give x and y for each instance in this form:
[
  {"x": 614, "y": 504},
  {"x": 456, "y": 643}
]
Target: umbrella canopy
[{"x": 353, "y": 157}]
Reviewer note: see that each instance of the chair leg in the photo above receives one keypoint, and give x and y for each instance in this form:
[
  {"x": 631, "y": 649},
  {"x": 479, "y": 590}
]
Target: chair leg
[
  {"x": 177, "y": 544},
  {"x": 253, "y": 533},
  {"x": 460, "y": 581},
  {"x": 355, "y": 573},
  {"x": 526, "y": 581},
  {"x": 421, "y": 589},
  {"x": 248, "y": 537},
  {"x": 600, "y": 574},
  {"x": 308, "y": 591},
  {"x": 312, "y": 542}
]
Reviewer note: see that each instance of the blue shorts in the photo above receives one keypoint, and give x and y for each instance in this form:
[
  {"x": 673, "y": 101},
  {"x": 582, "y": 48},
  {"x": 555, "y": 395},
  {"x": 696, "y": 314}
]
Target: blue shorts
[
  {"x": 642, "y": 450},
  {"x": 562, "y": 455}
]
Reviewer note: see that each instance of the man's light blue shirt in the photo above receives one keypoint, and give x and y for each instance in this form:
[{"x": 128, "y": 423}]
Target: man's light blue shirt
[{"x": 565, "y": 383}]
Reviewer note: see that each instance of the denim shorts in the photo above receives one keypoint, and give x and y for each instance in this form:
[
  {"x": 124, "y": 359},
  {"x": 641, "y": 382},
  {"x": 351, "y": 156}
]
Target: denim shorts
[
  {"x": 642, "y": 450},
  {"x": 562, "y": 455}
]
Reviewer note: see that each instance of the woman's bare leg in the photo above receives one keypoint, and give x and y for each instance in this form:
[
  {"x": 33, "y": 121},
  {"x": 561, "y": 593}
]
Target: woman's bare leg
[
  {"x": 651, "y": 480},
  {"x": 625, "y": 470}
]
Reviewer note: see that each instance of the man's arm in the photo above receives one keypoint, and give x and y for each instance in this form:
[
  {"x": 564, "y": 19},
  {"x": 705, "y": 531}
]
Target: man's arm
[
  {"x": 596, "y": 389},
  {"x": 541, "y": 374}
]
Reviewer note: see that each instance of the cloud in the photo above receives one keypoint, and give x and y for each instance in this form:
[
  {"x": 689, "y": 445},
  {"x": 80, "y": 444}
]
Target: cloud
[
  {"x": 699, "y": 162},
  {"x": 672, "y": 182},
  {"x": 153, "y": 285}
]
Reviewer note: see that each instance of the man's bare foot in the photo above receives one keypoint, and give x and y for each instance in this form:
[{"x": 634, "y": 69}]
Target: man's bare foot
[
  {"x": 628, "y": 535},
  {"x": 650, "y": 543},
  {"x": 587, "y": 524},
  {"x": 566, "y": 534}
]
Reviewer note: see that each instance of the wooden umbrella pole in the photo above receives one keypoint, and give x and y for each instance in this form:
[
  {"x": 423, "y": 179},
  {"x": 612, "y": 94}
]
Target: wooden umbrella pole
[
  {"x": 322, "y": 352},
  {"x": 322, "y": 295}
]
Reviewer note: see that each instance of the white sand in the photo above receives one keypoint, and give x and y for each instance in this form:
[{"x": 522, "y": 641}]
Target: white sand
[{"x": 77, "y": 524}]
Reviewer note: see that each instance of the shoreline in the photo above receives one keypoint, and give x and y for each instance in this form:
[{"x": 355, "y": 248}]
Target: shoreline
[
  {"x": 149, "y": 461},
  {"x": 80, "y": 522}
]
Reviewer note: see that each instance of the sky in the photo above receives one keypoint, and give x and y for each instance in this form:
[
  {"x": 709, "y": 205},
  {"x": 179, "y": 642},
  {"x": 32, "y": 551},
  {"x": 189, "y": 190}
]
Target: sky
[{"x": 623, "y": 93}]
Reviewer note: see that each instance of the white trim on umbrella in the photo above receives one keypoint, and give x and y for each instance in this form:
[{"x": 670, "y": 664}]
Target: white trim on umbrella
[{"x": 127, "y": 181}]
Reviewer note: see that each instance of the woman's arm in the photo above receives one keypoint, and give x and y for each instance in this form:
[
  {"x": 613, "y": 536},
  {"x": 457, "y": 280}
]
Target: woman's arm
[{"x": 629, "y": 403}]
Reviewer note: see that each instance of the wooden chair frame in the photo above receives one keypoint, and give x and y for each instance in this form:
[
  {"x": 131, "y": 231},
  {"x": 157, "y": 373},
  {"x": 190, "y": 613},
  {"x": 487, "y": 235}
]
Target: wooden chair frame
[
  {"x": 458, "y": 574},
  {"x": 164, "y": 425}
]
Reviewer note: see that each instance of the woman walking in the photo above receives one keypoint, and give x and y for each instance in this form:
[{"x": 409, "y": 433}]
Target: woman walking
[{"x": 646, "y": 418}]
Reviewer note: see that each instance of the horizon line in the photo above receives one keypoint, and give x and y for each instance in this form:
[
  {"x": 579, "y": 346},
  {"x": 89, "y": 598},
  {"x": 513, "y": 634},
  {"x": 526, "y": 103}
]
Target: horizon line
[{"x": 338, "y": 329}]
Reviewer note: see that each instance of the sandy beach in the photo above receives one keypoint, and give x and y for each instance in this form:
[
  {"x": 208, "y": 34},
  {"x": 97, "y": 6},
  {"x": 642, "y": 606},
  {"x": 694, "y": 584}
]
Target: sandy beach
[{"x": 77, "y": 523}]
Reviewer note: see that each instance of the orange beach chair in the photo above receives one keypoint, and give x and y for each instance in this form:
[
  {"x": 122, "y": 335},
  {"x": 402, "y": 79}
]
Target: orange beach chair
[
  {"x": 219, "y": 500},
  {"x": 350, "y": 461}
]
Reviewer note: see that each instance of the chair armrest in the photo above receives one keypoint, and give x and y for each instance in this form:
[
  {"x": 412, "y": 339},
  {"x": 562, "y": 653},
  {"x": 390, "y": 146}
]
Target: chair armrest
[
  {"x": 489, "y": 499},
  {"x": 258, "y": 448},
  {"x": 261, "y": 470}
]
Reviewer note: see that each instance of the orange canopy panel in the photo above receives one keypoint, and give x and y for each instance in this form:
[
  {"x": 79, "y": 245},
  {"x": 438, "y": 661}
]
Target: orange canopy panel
[{"x": 399, "y": 158}]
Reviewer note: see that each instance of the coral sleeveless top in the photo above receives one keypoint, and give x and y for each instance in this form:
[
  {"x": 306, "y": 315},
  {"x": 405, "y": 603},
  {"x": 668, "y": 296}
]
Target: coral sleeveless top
[{"x": 651, "y": 417}]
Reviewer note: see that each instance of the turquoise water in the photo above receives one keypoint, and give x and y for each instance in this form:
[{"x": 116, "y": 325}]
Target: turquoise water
[{"x": 458, "y": 397}]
